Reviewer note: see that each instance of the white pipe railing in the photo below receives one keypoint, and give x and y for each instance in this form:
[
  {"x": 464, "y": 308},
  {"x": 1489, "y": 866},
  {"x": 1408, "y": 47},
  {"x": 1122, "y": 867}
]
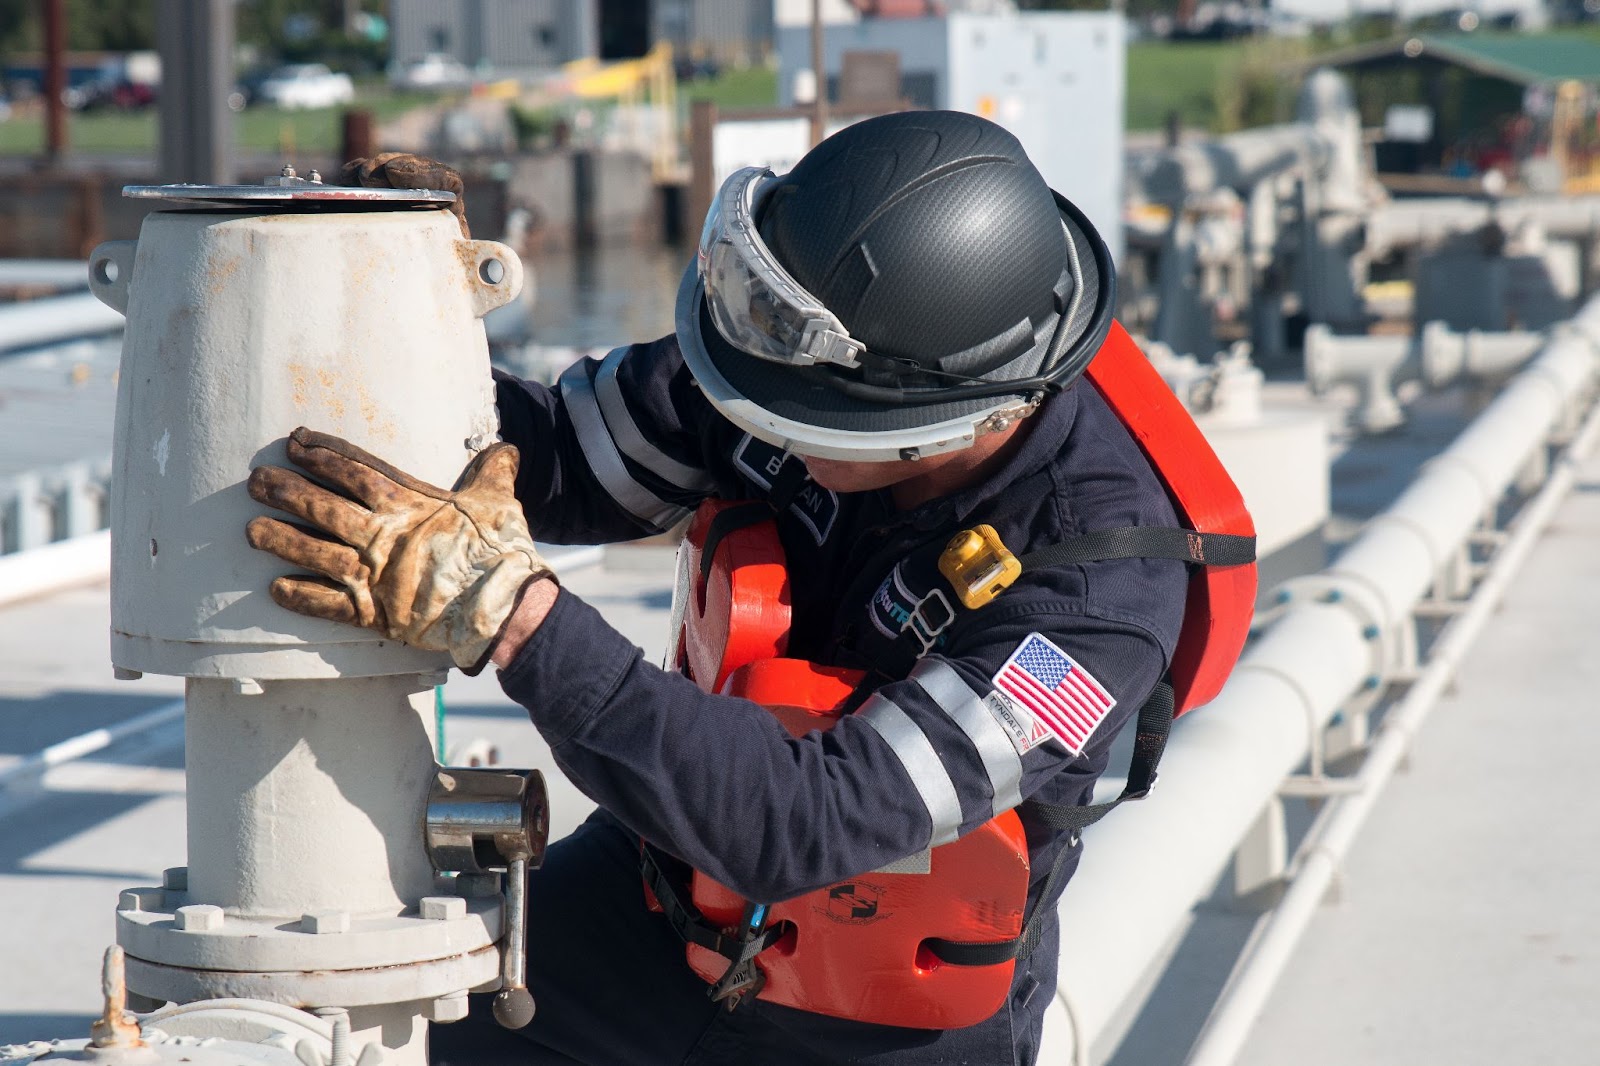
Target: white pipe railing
[
  {"x": 1340, "y": 633},
  {"x": 56, "y": 318},
  {"x": 44, "y": 273},
  {"x": 40, "y": 507},
  {"x": 85, "y": 744},
  {"x": 1330, "y": 838},
  {"x": 65, "y": 564}
]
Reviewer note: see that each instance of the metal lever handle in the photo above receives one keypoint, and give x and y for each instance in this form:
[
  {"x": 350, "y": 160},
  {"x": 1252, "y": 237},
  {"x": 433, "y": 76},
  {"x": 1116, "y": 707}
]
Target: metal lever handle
[
  {"x": 480, "y": 820},
  {"x": 513, "y": 1007}
]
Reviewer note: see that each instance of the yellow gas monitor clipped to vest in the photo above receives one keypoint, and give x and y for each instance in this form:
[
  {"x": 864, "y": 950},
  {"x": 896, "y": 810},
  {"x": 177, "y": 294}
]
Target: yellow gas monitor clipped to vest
[{"x": 978, "y": 565}]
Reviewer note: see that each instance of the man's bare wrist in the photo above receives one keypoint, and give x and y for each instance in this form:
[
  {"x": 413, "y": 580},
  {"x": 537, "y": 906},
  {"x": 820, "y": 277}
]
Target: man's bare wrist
[{"x": 525, "y": 620}]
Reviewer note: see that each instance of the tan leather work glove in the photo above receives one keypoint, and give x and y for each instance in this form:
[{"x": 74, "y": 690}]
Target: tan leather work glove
[
  {"x": 401, "y": 170},
  {"x": 440, "y": 570}
]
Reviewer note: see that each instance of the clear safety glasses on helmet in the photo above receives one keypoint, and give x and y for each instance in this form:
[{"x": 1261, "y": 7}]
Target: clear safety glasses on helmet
[{"x": 754, "y": 302}]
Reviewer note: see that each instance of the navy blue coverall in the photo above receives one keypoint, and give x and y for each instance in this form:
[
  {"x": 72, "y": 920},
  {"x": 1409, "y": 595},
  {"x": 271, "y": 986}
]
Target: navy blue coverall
[{"x": 626, "y": 446}]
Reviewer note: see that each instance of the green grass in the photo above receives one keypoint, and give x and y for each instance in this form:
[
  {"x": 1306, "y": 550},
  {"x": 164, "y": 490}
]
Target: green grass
[
  {"x": 733, "y": 88},
  {"x": 1179, "y": 76},
  {"x": 255, "y": 129}
]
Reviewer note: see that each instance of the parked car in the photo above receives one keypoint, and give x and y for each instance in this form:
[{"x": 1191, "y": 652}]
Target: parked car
[
  {"x": 110, "y": 93},
  {"x": 430, "y": 72},
  {"x": 305, "y": 85}
]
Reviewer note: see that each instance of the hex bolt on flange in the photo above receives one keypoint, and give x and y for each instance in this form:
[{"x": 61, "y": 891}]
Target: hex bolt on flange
[
  {"x": 200, "y": 918},
  {"x": 332, "y": 921},
  {"x": 442, "y": 908},
  {"x": 450, "y": 1008}
]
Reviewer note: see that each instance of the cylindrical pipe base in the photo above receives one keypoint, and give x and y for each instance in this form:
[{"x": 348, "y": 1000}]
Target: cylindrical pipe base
[{"x": 309, "y": 795}]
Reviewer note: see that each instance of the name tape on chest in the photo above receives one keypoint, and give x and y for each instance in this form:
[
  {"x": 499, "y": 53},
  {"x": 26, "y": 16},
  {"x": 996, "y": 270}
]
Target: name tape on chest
[{"x": 1044, "y": 694}]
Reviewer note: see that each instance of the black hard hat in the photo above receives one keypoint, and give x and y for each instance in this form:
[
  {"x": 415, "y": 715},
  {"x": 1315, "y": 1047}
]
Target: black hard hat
[{"x": 937, "y": 244}]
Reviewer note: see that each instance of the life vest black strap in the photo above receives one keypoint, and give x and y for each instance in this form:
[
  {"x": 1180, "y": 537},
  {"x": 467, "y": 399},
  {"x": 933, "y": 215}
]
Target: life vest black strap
[
  {"x": 786, "y": 485},
  {"x": 1146, "y": 542},
  {"x": 1128, "y": 542},
  {"x": 726, "y": 521},
  {"x": 742, "y": 976},
  {"x": 1149, "y": 742}
]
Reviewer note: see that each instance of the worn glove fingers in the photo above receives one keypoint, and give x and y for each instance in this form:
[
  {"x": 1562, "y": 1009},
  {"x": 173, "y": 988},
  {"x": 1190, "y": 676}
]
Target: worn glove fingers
[
  {"x": 305, "y": 548},
  {"x": 354, "y": 470},
  {"x": 317, "y": 597},
  {"x": 420, "y": 172},
  {"x": 370, "y": 172},
  {"x": 493, "y": 470},
  {"x": 403, "y": 170},
  {"x": 328, "y": 511}
]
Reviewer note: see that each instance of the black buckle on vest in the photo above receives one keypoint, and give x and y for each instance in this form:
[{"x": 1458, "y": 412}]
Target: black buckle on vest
[
  {"x": 742, "y": 977},
  {"x": 928, "y": 619}
]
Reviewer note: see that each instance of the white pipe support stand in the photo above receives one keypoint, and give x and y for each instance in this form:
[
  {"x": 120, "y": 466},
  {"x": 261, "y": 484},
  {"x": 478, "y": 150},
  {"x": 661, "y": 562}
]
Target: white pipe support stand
[{"x": 1374, "y": 365}]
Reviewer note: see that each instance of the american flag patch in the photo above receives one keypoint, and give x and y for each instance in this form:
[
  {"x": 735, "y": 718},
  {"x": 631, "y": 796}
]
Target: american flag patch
[{"x": 1062, "y": 696}]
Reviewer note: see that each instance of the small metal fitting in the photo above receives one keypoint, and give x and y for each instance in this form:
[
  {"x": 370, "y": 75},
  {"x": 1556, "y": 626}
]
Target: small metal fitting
[
  {"x": 442, "y": 908},
  {"x": 325, "y": 922},
  {"x": 122, "y": 673},
  {"x": 447, "y": 1008},
  {"x": 200, "y": 918},
  {"x": 288, "y": 171},
  {"x": 141, "y": 899},
  {"x": 478, "y": 885},
  {"x": 175, "y": 879}
]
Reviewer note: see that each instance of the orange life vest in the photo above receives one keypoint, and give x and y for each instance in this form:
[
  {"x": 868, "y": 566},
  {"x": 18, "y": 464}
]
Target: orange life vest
[{"x": 869, "y": 948}]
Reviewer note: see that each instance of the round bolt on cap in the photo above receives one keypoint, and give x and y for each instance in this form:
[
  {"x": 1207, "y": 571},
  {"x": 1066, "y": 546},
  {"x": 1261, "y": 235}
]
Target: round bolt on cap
[
  {"x": 200, "y": 917},
  {"x": 325, "y": 922},
  {"x": 175, "y": 878},
  {"x": 443, "y": 908}
]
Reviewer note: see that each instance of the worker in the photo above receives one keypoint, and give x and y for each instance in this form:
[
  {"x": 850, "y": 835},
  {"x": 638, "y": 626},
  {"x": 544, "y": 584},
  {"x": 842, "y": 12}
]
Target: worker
[{"x": 882, "y": 347}]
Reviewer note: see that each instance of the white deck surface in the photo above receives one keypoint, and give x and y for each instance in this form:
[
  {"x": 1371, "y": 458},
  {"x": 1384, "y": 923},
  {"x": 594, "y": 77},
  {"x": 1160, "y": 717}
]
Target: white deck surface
[{"x": 1468, "y": 930}]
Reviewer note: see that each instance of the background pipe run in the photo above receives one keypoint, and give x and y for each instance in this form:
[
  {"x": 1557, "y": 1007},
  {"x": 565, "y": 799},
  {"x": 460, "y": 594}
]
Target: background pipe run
[
  {"x": 1375, "y": 365},
  {"x": 1336, "y": 639},
  {"x": 1331, "y": 836}
]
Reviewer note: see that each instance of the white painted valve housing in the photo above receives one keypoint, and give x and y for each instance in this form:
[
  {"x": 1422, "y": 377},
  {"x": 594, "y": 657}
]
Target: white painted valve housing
[{"x": 360, "y": 323}]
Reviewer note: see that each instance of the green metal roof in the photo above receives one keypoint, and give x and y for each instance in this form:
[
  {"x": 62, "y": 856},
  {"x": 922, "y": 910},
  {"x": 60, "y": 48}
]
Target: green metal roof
[{"x": 1523, "y": 58}]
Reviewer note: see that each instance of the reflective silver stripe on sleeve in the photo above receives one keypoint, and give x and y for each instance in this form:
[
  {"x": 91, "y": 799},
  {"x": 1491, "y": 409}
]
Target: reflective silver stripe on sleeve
[
  {"x": 956, "y": 698},
  {"x": 601, "y": 453},
  {"x": 906, "y": 739},
  {"x": 625, "y": 432}
]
